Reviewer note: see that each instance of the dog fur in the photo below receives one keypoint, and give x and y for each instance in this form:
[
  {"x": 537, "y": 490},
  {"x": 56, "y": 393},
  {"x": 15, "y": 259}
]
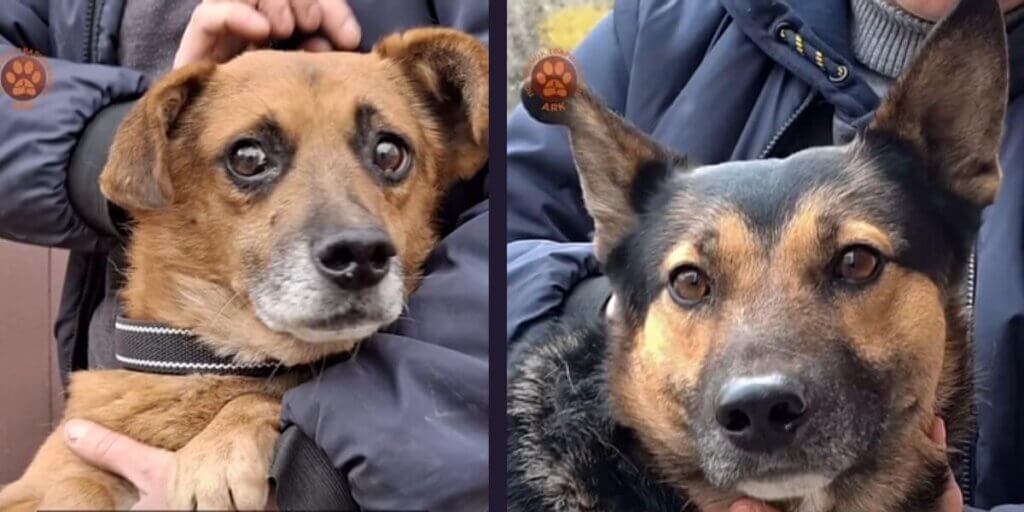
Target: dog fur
[
  {"x": 223, "y": 255},
  {"x": 618, "y": 414}
]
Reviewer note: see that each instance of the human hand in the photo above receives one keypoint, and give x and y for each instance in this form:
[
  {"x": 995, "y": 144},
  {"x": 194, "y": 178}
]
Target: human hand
[
  {"x": 221, "y": 29},
  {"x": 149, "y": 469},
  {"x": 952, "y": 500},
  {"x": 743, "y": 505}
]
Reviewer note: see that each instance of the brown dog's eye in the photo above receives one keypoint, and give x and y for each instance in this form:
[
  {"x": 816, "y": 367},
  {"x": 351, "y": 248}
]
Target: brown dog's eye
[
  {"x": 247, "y": 159},
  {"x": 858, "y": 264},
  {"x": 391, "y": 158},
  {"x": 688, "y": 285}
]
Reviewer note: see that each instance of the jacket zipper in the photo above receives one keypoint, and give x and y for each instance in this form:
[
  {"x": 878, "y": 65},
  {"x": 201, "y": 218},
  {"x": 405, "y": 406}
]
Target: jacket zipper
[
  {"x": 785, "y": 126},
  {"x": 90, "y": 18},
  {"x": 966, "y": 477}
]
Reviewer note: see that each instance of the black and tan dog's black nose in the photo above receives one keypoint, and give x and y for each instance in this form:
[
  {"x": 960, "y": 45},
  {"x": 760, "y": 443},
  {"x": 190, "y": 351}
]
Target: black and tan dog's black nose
[
  {"x": 354, "y": 258},
  {"x": 761, "y": 414}
]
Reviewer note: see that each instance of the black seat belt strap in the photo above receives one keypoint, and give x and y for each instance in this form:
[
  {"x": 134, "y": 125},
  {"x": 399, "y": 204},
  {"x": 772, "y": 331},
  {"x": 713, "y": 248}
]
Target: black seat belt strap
[
  {"x": 304, "y": 478},
  {"x": 587, "y": 299}
]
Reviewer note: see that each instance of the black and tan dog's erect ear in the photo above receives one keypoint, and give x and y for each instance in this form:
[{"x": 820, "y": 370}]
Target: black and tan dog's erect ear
[
  {"x": 450, "y": 70},
  {"x": 617, "y": 163},
  {"x": 949, "y": 105},
  {"x": 137, "y": 174}
]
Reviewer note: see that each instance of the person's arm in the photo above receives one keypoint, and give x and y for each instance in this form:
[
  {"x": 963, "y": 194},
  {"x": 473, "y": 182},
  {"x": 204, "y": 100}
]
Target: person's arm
[
  {"x": 541, "y": 274},
  {"x": 38, "y": 140}
]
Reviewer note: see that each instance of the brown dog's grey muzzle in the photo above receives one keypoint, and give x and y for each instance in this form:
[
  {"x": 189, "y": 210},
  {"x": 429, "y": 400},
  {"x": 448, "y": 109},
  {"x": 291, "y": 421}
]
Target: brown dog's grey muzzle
[
  {"x": 761, "y": 414},
  {"x": 354, "y": 259}
]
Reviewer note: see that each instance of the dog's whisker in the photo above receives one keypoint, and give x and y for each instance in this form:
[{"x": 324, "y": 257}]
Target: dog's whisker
[
  {"x": 117, "y": 269},
  {"x": 568, "y": 372},
  {"x": 267, "y": 382},
  {"x": 217, "y": 317},
  {"x": 423, "y": 279},
  {"x": 686, "y": 505},
  {"x": 320, "y": 376},
  {"x": 611, "y": 446},
  {"x": 355, "y": 351}
]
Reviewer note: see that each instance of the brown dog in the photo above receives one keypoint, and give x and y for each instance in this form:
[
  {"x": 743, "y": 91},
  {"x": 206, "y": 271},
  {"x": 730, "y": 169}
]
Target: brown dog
[{"x": 283, "y": 205}]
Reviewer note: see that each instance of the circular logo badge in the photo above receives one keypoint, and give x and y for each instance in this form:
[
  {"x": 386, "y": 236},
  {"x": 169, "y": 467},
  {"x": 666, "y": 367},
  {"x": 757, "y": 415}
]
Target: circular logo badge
[
  {"x": 554, "y": 78},
  {"x": 23, "y": 78}
]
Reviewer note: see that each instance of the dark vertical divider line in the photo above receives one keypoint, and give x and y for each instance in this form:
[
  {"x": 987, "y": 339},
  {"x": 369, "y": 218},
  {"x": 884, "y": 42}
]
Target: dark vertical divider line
[{"x": 497, "y": 183}]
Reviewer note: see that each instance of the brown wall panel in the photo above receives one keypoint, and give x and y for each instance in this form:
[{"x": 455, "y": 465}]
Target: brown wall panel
[
  {"x": 58, "y": 264},
  {"x": 27, "y": 385}
]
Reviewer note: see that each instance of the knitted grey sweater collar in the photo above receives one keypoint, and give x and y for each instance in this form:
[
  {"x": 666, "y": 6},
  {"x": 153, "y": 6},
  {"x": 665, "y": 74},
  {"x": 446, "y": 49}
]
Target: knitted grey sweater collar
[{"x": 886, "y": 37}]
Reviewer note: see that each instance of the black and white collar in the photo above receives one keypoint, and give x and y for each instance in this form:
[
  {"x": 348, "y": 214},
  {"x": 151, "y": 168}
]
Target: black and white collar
[{"x": 157, "y": 348}]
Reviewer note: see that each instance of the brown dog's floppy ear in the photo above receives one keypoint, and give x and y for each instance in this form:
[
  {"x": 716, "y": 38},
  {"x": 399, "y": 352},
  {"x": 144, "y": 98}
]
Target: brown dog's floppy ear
[
  {"x": 611, "y": 156},
  {"x": 949, "y": 105},
  {"x": 450, "y": 69},
  {"x": 137, "y": 176}
]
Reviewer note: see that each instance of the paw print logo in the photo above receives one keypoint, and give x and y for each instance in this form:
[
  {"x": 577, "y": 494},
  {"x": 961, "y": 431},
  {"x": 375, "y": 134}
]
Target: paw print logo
[
  {"x": 552, "y": 81},
  {"x": 554, "y": 78},
  {"x": 23, "y": 78}
]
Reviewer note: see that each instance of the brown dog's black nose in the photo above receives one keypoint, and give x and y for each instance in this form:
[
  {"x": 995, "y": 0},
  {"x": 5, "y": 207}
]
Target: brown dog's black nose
[
  {"x": 354, "y": 258},
  {"x": 761, "y": 414}
]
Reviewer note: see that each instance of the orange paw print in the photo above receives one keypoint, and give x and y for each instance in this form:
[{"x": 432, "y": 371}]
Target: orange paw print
[
  {"x": 23, "y": 78},
  {"x": 555, "y": 79}
]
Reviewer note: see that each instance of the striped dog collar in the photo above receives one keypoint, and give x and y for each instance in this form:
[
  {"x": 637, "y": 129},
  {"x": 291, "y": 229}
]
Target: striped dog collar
[{"x": 156, "y": 348}]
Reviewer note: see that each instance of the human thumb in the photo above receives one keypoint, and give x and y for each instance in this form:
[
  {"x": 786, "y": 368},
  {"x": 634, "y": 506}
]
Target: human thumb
[{"x": 114, "y": 452}]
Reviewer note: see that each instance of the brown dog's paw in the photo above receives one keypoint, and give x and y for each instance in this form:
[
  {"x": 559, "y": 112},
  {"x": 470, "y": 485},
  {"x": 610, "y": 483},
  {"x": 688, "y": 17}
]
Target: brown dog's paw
[
  {"x": 225, "y": 467},
  {"x": 226, "y": 474}
]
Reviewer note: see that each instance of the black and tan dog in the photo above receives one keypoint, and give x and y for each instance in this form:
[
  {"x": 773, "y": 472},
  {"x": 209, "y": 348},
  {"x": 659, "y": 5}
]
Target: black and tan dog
[
  {"x": 283, "y": 205},
  {"x": 783, "y": 329}
]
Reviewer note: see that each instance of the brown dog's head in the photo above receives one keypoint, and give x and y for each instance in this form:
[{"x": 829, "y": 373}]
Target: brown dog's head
[
  {"x": 283, "y": 203},
  {"x": 788, "y": 329}
]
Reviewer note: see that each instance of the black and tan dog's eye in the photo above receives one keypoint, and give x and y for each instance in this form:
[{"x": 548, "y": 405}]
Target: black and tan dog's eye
[
  {"x": 247, "y": 159},
  {"x": 391, "y": 158},
  {"x": 688, "y": 285},
  {"x": 858, "y": 264}
]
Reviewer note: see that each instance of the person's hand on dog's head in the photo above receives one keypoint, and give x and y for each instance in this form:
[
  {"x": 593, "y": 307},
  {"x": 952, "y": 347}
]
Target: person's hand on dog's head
[
  {"x": 952, "y": 500},
  {"x": 221, "y": 29}
]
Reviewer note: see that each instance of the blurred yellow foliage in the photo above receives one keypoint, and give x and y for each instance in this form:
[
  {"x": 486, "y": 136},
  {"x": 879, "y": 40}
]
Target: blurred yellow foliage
[{"x": 566, "y": 27}]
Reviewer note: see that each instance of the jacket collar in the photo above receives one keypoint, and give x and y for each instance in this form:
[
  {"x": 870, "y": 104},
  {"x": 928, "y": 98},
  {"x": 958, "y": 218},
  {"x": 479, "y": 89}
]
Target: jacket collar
[
  {"x": 829, "y": 20},
  {"x": 825, "y": 25}
]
